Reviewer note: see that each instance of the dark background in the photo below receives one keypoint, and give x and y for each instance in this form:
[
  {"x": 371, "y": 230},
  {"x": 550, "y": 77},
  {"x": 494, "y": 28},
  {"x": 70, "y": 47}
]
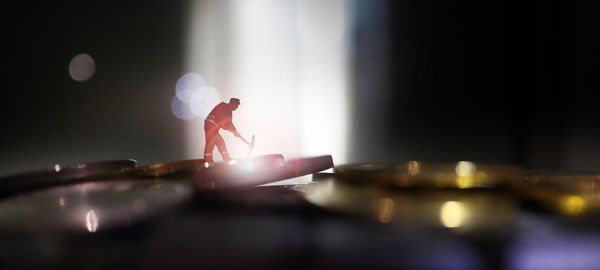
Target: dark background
[
  {"x": 508, "y": 82},
  {"x": 495, "y": 81},
  {"x": 122, "y": 112}
]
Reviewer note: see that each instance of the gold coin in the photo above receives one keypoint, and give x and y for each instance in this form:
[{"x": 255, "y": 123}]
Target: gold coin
[
  {"x": 458, "y": 210},
  {"x": 460, "y": 175},
  {"x": 568, "y": 193}
]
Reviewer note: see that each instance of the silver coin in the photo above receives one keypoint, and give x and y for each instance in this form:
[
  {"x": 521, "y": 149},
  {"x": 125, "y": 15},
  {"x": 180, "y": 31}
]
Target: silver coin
[
  {"x": 59, "y": 175},
  {"x": 90, "y": 207}
]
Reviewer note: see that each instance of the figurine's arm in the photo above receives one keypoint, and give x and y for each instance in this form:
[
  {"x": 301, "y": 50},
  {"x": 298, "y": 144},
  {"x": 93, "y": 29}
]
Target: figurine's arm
[
  {"x": 231, "y": 128},
  {"x": 237, "y": 134}
]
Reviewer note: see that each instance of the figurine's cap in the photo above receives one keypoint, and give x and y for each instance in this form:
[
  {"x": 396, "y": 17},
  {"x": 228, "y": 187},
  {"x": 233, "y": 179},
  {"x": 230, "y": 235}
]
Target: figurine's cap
[{"x": 234, "y": 101}]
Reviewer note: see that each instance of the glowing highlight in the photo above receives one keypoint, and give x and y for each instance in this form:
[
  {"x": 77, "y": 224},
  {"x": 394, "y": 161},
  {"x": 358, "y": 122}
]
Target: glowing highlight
[
  {"x": 453, "y": 214},
  {"x": 386, "y": 209},
  {"x": 573, "y": 205},
  {"x": 82, "y": 67},
  {"x": 91, "y": 221}
]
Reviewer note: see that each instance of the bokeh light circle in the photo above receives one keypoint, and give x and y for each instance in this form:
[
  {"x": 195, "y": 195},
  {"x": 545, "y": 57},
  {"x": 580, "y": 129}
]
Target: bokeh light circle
[
  {"x": 82, "y": 67},
  {"x": 181, "y": 109},
  {"x": 203, "y": 100},
  {"x": 187, "y": 84}
]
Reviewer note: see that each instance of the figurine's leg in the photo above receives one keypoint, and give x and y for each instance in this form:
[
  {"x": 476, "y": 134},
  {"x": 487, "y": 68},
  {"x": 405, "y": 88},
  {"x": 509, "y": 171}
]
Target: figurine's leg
[
  {"x": 208, "y": 149},
  {"x": 209, "y": 131},
  {"x": 222, "y": 147}
]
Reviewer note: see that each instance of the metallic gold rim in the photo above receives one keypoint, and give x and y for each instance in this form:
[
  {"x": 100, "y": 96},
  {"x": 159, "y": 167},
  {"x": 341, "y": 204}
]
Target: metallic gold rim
[
  {"x": 461, "y": 210},
  {"x": 461, "y": 175}
]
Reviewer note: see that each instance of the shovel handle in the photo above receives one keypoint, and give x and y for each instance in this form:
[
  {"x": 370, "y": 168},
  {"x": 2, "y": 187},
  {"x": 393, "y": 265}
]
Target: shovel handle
[{"x": 251, "y": 145}]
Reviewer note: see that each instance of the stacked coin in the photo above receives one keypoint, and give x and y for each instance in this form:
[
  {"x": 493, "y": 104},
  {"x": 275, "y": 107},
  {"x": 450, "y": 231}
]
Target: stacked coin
[
  {"x": 59, "y": 174},
  {"x": 182, "y": 168},
  {"x": 463, "y": 196},
  {"x": 257, "y": 171},
  {"x": 414, "y": 174},
  {"x": 573, "y": 194},
  {"x": 118, "y": 193},
  {"x": 89, "y": 207}
]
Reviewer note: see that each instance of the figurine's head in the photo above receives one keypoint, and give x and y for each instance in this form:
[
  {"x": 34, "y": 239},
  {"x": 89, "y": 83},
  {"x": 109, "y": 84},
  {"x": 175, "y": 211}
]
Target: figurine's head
[{"x": 234, "y": 103}]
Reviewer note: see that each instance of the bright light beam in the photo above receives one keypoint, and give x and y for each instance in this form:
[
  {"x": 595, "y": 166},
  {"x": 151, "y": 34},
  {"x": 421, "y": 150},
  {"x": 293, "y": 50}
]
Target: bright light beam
[{"x": 286, "y": 61}]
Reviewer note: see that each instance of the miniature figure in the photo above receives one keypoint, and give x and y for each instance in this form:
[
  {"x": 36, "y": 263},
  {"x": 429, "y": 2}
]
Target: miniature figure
[{"x": 220, "y": 117}]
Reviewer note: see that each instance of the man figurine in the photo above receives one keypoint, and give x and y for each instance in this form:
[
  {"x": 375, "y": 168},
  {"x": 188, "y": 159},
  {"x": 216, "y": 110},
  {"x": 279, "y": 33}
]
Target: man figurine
[{"x": 219, "y": 117}]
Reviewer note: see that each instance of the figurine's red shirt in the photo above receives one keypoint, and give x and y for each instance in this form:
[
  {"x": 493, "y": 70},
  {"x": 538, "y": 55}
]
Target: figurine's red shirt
[{"x": 221, "y": 116}]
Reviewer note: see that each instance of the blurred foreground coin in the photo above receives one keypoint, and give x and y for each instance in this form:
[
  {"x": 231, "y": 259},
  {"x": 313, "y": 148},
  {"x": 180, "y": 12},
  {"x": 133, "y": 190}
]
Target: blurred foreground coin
[
  {"x": 571, "y": 194},
  {"x": 414, "y": 174},
  {"x": 59, "y": 175},
  {"x": 89, "y": 207},
  {"x": 462, "y": 210},
  {"x": 461, "y": 196}
]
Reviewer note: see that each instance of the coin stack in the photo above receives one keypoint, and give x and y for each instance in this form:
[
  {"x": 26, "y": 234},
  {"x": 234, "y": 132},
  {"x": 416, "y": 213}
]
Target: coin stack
[
  {"x": 462, "y": 196},
  {"x": 87, "y": 196}
]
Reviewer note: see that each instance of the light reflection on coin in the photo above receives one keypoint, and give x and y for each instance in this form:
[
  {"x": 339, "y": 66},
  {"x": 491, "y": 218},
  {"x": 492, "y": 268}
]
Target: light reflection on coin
[
  {"x": 460, "y": 175},
  {"x": 567, "y": 193},
  {"x": 459, "y": 210},
  {"x": 59, "y": 175},
  {"x": 183, "y": 168},
  {"x": 90, "y": 207},
  {"x": 258, "y": 171}
]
